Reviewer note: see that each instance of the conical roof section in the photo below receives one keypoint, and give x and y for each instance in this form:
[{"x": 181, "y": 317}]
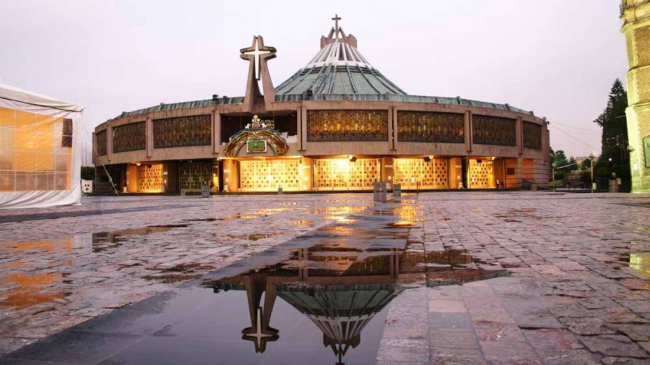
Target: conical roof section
[{"x": 338, "y": 68}]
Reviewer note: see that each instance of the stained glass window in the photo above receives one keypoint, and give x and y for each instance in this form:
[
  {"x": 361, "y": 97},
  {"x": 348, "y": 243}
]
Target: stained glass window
[
  {"x": 347, "y": 125},
  {"x": 532, "y": 135},
  {"x": 100, "y": 138},
  {"x": 430, "y": 127},
  {"x": 195, "y": 130},
  {"x": 494, "y": 130},
  {"x": 130, "y": 137}
]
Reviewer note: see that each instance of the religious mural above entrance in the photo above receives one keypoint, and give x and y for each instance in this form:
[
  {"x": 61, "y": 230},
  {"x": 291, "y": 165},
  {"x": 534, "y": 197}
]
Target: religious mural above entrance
[
  {"x": 256, "y": 136},
  {"x": 532, "y": 135},
  {"x": 494, "y": 130},
  {"x": 130, "y": 137},
  {"x": 347, "y": 125},
  {"x": 430, "y": 127},
  {"x": 195, "y": 130}
]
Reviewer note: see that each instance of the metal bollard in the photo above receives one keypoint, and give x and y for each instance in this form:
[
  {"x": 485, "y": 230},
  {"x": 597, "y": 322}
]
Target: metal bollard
[
  {"x": 205, "y": 191},
  {"x": 379, "y": 192}
]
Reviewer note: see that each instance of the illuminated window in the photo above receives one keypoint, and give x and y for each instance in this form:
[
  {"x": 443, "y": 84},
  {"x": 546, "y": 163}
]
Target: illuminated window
[
  {"x": 430, "y": 127},
  {"x": 100, "y": 138},
  {"x": 347, "y": 125},
  {"x": 35, "y": 151},
  {"x": 195, "y": 130},
  {"x": 130, "y": 137},
  {"x": 532, "y": 135},
  {"x": 494, "y": 130}
]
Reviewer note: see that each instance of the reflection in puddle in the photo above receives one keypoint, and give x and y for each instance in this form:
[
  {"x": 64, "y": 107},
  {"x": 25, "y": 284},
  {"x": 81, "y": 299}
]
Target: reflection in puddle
[
  {"x": 29, "y": 288},
  {"x": 340, "y": 290},
  {"x": 302, "y": 223}
]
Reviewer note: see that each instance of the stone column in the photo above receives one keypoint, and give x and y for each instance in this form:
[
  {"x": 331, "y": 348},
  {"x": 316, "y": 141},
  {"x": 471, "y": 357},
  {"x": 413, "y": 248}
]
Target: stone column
[
  {"x": 303, "y": 123},
  {"x": 299, "y": 128},
  {"x": 109, "y": 143},
  {"x": 149, "y": 135},
  {"x": 393, "y": 121},
  {"x": 216, "y": 132},
  {"x": 520, "y": 136},
  {"x": 468, "y": 131}
]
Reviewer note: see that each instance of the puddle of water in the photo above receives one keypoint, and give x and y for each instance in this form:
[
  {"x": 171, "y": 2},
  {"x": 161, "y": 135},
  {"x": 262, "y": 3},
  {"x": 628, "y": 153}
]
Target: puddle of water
[
  {"x": 456, "y": 267},
  {"x": 29, "y": 288},
  {"x": 302, "y": 223},
  {"x": 254, "y": 236}
]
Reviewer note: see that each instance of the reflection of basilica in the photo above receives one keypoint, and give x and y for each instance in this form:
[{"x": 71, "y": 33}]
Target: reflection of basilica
[{"x": 339, "y": 289}]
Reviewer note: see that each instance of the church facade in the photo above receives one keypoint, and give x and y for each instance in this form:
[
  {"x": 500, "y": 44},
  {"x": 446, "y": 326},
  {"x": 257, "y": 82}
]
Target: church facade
[
  {"x": 337, "y": 124},
  {"x": 635, "y": 15}
]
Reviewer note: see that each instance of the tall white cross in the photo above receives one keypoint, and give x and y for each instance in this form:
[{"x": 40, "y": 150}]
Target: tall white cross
[{"x": 256, "y": 53}]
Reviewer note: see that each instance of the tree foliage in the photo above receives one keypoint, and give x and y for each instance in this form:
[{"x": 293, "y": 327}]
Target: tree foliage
[{"x": 614, "y": 156}]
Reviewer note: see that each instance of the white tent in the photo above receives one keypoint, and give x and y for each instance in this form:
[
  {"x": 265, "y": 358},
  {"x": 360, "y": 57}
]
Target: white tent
[{"x": 40, "y": 150}]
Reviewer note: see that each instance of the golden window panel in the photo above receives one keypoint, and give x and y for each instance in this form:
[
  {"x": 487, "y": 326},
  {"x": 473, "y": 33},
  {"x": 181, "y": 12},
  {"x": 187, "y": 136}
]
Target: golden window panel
[
  {"x": 481, "y": 174},
  {"x": 494, "y": 130},
  {"x": 269, "y": 175},
  {"x": 416, "y": 173},
  {"x": 35, "y": 151},
  {"x": 195, "y": 130},
  {"x": 150, "y": 179},
  {"x": 430, "y": 127},
  {"x": 100, "y": 138},
  {"x": 130, "y": 137},
  {"x": 532, "y": 135},
  {"x": 344, "y": 174},
  {"x": 347, "y": 125}
]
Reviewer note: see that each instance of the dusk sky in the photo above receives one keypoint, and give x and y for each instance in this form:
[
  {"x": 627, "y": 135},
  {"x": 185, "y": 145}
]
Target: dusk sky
[{"x": 557, "y": 58}]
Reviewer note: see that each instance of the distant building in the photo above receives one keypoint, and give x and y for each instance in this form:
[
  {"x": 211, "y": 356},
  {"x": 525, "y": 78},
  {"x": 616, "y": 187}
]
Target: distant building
[
  {"x": 635, "y": 15},
  {"x": 337, "y": 124}
]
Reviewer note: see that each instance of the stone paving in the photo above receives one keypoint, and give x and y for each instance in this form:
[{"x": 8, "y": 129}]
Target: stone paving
[
  {"x": 577, "y": 291},
  {"x": 57, "y": 273}
]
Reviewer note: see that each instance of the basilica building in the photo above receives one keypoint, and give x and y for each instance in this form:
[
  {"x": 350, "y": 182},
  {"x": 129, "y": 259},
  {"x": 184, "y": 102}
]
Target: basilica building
[{"x": 337, "y": 124}]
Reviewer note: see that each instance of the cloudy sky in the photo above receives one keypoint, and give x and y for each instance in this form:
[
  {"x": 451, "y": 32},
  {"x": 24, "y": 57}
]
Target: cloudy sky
[{"x": 558, "y": 58}]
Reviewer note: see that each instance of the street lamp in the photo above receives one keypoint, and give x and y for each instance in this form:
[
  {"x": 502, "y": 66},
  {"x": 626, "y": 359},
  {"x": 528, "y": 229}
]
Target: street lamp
[
  {"x": 592, "y": 172},
  {"x": 554, "y": 166}
]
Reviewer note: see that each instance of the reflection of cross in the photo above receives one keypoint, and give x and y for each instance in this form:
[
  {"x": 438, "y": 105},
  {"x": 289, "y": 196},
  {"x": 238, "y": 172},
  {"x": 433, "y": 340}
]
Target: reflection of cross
[
  {"x": 256, "y": 53},
  {"x": 258, "y": 336},
  {"x": 336, "y": 24}
]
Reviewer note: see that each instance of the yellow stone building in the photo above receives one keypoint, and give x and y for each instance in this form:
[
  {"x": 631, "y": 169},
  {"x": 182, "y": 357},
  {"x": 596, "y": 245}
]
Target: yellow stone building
[{"x": 635, "y": 15}]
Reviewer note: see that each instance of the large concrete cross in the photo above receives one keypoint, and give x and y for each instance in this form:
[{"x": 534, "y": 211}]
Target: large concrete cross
[
  {"x": 255, "y": 51},
  {"x": 336, "y": 24}
]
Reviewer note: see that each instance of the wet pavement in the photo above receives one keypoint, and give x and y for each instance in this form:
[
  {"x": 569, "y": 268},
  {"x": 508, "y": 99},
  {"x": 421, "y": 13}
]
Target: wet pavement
[{"x": 442, "y": 278}]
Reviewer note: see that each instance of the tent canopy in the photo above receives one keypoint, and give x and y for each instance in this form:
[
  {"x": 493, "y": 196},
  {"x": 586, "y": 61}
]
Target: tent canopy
[{"x": 40, "y": 150}]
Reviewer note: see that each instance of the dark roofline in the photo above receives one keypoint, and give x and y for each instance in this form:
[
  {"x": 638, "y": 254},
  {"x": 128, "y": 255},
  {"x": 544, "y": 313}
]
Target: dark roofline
[{"x": 329, "y": 97}]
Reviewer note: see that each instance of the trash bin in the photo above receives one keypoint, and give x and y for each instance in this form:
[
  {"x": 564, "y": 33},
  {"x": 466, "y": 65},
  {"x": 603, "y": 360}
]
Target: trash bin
[{"x": 279, "y": 191}]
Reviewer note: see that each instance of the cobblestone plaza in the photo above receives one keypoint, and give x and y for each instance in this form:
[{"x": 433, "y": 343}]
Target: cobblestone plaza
[{"x": 481, "y": 278}]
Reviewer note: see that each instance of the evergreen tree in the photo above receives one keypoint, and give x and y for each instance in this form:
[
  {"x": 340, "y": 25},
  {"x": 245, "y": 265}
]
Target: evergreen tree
[{"x": 614, "y": 156}]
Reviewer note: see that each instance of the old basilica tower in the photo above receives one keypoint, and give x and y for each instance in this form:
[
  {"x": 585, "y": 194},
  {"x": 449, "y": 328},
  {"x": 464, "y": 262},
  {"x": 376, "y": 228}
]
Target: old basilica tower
[{"x": 635, "y": 15}]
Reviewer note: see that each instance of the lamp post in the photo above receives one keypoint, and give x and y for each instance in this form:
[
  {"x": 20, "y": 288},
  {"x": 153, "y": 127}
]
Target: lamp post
[
  {"x": 592, "y": 172},
  {"x": 554, "y": 177}
]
